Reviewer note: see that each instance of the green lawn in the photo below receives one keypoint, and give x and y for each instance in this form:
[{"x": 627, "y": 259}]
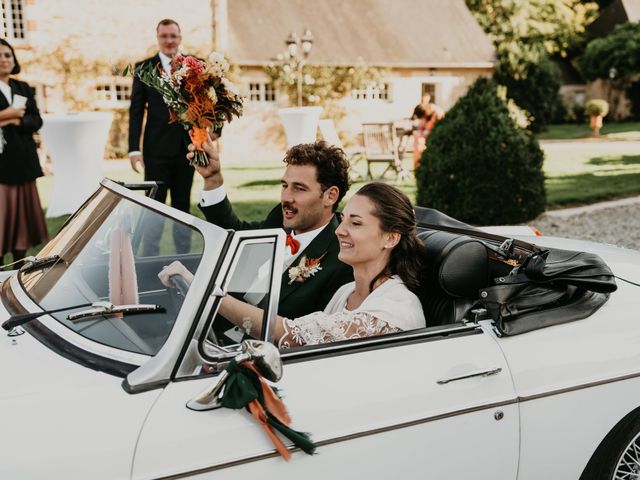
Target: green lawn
[
  {"x": 580, "y": 174},
  {"x": 610, "y": 131}
]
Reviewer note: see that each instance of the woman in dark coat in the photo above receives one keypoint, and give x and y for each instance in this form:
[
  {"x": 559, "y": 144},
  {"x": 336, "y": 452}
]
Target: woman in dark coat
[{"x": 22, "y": 223}]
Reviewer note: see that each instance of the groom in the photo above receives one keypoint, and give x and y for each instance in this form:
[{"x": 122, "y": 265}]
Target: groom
[{"x": 314, "y": 181}]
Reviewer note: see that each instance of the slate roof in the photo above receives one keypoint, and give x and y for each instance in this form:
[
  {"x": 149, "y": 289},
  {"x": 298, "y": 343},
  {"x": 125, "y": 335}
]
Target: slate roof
[{"x": 384, "y": 33}]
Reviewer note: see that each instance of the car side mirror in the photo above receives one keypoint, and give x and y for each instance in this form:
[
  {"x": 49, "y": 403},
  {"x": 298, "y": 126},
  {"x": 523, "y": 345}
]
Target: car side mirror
[{"x": 266, "y": 359}]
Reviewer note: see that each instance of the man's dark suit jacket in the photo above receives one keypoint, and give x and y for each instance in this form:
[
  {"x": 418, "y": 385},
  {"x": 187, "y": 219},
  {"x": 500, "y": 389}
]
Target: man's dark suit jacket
[
  {"x": 161, "y": 138},
  {"x": 298, "y": 298},
  {"x": 19, "y": 161}
]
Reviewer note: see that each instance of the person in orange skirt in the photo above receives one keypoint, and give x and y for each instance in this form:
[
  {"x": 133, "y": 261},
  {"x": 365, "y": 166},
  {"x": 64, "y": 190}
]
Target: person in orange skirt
[
  {"x": 424, "y": 117},
  {"x": 22, "y": 223}
]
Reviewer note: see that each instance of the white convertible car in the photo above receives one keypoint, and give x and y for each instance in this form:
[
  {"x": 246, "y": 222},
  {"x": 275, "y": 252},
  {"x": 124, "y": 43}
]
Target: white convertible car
[{"x": 540, "y": 384}]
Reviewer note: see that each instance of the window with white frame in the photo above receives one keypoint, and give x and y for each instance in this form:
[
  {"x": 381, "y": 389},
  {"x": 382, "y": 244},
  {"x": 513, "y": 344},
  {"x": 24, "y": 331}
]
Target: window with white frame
[
  {"x": 372, "y": 92},
  {"x": 428, "y": 88},
  {"x": 113, "y": 93},
  {"x": 13, "y": 23},
  {"x": 262, "y": 92}
]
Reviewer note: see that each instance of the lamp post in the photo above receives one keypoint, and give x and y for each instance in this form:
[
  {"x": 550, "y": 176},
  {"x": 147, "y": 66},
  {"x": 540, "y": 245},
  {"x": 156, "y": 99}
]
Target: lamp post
[
  {"x": 300, "y": 123},
  {"x": 298, "y": 50}
]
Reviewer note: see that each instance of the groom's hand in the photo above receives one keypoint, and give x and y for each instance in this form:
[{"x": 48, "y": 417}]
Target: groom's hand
[{"x": 211, "y": 173}]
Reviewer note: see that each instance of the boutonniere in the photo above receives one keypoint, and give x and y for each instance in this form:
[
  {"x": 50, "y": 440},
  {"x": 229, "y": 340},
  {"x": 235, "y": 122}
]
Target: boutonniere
[{"x": 306, "y": 268}]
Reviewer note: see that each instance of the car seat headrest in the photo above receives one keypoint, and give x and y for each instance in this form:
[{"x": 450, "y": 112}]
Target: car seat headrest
[{"x": 456, "y": 263}]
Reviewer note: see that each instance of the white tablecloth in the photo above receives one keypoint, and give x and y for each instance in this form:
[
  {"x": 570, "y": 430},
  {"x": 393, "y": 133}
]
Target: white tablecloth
[{"x": 76, "y": 144}]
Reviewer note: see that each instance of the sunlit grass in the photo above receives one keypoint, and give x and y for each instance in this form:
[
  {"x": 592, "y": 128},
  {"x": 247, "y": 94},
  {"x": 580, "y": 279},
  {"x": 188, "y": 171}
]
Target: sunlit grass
[{"x": 609, "y": 131}]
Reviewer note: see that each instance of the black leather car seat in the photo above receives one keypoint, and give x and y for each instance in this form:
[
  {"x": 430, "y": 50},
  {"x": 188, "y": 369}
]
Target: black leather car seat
[{"x": 456, "y": 268}]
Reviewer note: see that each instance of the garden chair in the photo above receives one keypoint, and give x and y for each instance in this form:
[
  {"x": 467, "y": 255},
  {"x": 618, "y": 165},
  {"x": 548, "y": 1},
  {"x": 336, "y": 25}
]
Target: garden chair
[{"x": 381, "y": 146}]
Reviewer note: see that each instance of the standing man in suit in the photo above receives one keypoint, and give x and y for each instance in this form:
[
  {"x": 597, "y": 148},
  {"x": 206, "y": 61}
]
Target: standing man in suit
[
  {"x": 315, "y": 179},
  {"x": 164, "y": 143}
]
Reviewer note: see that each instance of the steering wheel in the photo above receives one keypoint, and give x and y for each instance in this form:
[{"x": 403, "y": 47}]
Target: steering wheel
[{"x": 177, "y": 294}]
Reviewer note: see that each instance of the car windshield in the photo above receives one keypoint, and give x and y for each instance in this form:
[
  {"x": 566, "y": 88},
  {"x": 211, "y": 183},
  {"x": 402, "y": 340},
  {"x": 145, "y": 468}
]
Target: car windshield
[{"x": 111, "y": 251}]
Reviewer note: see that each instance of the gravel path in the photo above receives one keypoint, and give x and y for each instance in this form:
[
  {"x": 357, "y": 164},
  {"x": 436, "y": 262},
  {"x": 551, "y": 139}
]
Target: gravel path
[{"x": 616, "y": 222}]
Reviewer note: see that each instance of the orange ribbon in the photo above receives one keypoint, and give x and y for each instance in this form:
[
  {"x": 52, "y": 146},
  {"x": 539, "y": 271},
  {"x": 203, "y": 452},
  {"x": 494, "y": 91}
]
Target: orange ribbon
[{"x": 276, "y": 407}]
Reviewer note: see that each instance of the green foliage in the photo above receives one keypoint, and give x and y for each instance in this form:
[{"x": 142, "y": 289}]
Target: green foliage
[
  {"x": 556, "y": 25},
  {"x": 118, "y": 144},
  {"x": 478, "y": 166},
  {"x": 618, "y": 53},
  {"x": 71, "y": 68},
  {"x": 597, "y": 106},
  {"x": 536, "y": 89},
  {"x": 322, "y": 83},
  {"x": 525, "y": 34}
]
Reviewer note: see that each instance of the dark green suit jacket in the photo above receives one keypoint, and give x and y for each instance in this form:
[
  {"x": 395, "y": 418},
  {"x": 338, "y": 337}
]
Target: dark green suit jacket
[{"x": 298, "y": 298}]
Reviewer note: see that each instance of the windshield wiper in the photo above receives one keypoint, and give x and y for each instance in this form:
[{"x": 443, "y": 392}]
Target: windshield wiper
[
  {"x": 17, "y": 320},
  {"x": 98, "y": 309},
  {"x": 107, "y": 308},
  {"x": 39, "y": 263}
]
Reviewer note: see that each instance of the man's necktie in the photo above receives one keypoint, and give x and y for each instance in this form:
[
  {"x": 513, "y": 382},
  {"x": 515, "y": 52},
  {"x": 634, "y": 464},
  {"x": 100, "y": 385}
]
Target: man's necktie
[{"x": 293, "y": 244}]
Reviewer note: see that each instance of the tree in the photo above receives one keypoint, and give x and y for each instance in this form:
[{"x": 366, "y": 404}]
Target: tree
[
  {"x": 536, "y": 90},
  {"x": 556, "y": 25},
  {"x": 616, "y": 55},
  {"x": 322, "y": 83},
  {"x": 479, "y": 166},
  {"x": 616, "y": 58},
  {"x": 525, "y": 35}
]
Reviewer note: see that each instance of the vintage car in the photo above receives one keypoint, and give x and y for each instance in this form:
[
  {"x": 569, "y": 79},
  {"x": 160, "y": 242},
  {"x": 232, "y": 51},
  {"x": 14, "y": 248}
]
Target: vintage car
[{"x": 94, "y": 387}]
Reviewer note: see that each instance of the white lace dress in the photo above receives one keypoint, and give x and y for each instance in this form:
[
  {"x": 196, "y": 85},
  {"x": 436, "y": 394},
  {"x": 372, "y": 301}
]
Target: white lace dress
[{"x": 390, "y": 308}]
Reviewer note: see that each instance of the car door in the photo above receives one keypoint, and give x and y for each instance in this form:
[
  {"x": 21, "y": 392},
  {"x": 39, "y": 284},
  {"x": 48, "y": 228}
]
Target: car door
[{"x": 430, "y": 403}]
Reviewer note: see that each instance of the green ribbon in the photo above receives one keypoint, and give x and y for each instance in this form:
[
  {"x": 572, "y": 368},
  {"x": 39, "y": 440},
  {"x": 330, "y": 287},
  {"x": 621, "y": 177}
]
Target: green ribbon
[{"x": 243, "y": 387}]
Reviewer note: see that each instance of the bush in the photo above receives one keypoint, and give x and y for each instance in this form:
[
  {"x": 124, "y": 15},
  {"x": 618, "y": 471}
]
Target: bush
[
  {"x": 478, "y": 166},
  {"x": 118, "y": 144},
  {"x": 596, "y": 107}
]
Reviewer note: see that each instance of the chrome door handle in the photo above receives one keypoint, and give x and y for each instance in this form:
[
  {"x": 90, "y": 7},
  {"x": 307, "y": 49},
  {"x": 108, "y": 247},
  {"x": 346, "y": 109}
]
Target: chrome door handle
[{"x": 486, "y": 373}]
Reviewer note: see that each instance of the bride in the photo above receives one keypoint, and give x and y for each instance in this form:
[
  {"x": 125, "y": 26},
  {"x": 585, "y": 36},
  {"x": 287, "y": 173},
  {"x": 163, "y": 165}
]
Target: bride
[{"x": 378, "y": 239}]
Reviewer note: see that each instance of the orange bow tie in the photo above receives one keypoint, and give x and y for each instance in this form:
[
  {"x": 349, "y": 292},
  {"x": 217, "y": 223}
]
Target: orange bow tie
[{"x": 293, "y": 244}]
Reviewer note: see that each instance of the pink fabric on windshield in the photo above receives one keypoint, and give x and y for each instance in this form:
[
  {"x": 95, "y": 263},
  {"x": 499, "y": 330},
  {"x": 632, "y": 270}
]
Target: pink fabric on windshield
[{"x": 123, "y": 283}]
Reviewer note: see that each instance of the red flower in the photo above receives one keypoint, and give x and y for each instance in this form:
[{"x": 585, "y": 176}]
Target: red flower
[{"x": 195, "y": 65}]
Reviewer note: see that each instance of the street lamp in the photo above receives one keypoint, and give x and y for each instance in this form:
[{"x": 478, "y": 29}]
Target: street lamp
[{"x": 296, "y": 45}]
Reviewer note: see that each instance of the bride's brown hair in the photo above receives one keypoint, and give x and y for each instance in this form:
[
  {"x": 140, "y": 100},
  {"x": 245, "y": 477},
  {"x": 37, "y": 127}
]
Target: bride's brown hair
[{"x": 394, "y": 211}]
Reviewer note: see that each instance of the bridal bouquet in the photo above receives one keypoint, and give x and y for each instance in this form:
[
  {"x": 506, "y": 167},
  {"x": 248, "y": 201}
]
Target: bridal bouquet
[{"x": 197, "y": 94}]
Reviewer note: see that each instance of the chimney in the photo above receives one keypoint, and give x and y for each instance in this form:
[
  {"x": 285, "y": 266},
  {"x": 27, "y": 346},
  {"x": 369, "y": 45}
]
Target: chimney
[{"x": 220, "y": 26}]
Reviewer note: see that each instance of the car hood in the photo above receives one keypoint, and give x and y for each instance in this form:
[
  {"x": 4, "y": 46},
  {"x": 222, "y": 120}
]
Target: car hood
[
  {"x": 74, "y": 417},
  {"x": 29, "y": 368}
]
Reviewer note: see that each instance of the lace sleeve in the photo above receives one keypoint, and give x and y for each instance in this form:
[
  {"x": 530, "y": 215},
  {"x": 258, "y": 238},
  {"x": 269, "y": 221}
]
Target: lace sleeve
[{"x": 319, "y": 327}]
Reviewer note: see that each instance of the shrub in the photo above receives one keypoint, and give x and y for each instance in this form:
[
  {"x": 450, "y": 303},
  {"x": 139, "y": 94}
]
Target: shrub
[
  {"x": 478, "y": 166},
  {"x": 596, "y": 107}
]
